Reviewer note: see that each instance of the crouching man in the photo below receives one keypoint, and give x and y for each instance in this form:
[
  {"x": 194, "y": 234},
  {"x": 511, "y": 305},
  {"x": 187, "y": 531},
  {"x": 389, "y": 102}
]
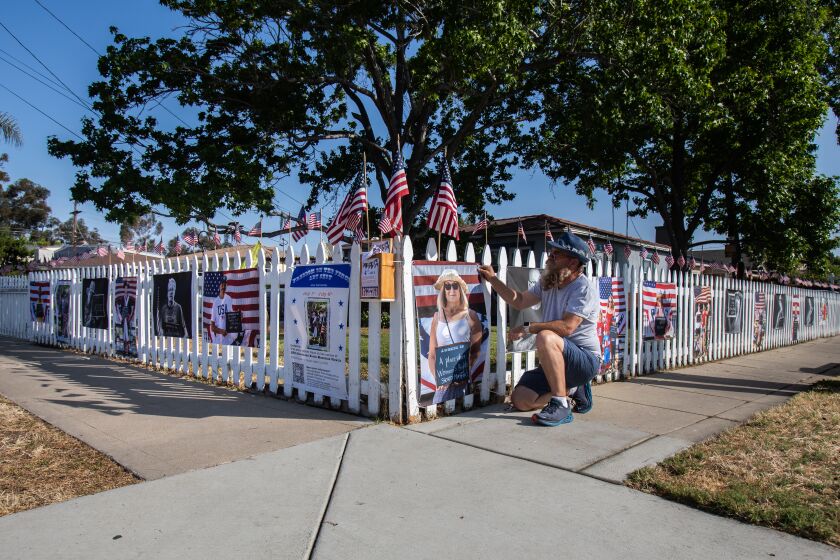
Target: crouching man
[{"x": 567, "y": 340}]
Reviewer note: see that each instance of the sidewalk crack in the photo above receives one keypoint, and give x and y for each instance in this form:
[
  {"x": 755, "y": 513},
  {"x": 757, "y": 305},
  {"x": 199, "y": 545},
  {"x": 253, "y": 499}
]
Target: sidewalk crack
[{"x": 313, "y": 541}]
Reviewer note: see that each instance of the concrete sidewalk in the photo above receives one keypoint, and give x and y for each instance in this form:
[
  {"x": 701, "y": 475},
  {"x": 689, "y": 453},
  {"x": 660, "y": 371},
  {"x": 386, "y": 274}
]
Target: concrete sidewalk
[
  {"x": 484, "y": 484},
  {"x": 155, "y": 425}
]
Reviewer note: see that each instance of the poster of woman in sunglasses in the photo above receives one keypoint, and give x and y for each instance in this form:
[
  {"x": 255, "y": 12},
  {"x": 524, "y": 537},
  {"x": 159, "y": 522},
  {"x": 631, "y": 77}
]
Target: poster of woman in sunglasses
[{"x": 453, "y": 328}]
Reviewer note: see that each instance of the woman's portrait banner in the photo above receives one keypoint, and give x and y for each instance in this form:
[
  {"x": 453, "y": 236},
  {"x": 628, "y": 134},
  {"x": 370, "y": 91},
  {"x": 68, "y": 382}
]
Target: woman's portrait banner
[{"x": 453, "y": 327}]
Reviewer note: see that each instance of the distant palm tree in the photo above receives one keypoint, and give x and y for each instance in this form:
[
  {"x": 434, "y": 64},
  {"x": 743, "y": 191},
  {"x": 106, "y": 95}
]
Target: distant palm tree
[{"x": 9, "y": 129}]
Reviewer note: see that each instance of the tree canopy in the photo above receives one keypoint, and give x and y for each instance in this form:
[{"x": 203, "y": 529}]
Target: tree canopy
[
  {"x": 703, "y": 112},
  {"x": 306, "y": 87}
]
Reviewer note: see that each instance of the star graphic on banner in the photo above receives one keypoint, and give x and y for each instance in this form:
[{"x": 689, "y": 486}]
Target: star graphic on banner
[
  {"x": 295, "y": 320},
  {"x": 341, "y": 326},
  {"x": 294, "y": 301},
  {"x": 340, "y": 348},
  {"x": 297, "y": 341},
  {"x": 340, "y": 303}
]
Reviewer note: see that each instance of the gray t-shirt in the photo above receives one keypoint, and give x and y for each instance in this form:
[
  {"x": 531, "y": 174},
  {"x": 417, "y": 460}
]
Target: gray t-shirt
[{"x": 579, "y": 298}]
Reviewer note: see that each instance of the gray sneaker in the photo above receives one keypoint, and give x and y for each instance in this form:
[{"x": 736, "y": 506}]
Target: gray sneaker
[{"x": 553, "y": 414}]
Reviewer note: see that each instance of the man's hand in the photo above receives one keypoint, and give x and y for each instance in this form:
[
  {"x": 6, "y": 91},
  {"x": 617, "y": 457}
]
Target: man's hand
[
  {"x": 486, "y": 271},
  {"x": 518, "y": 332}
]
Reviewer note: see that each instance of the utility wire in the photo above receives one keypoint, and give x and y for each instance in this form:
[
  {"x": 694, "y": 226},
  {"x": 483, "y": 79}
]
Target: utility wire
[
  {"x": 88, "y": 45},
  {"x": 45, "y": 84},
  {"x": 58, "y": 19},
  {"x": 42, "y": 112},
  {"x": 30, "y": 67},
  {"x": 47, "y": 68}
]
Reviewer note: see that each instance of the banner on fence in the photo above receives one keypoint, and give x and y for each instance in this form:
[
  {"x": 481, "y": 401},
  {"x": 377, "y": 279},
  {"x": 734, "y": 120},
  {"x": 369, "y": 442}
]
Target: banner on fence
[
  {"x": 522, "y": 279},
  {"x": 823, "y": 310},
  {"x": 612, "y": 319},
  {"x": 808, "y": 313},
  {"x": 172, "y": 304},
  {"x": 316, "y": 327},
  {"x": 231, "y": 313},
  {"x": 62, "y": 311},
  {"x": 95, "y": 303},
  {"x": 453, "y": 326},
  {"x": 39, "y": 300},
  {"x": 779, "y": 311},
  {"x": 702, "y": 312},
  {"x": 759, "y": 319},
  {"x": 794, "y": 316},
  {"x": 734, "y": 318},
  {"x": 125, "y": 316},
  {"x": 659, "y": 309}
]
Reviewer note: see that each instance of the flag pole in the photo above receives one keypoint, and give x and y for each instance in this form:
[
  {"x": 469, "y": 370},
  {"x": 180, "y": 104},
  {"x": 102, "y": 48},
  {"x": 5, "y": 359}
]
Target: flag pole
[
  {"x": 486, "y": 227},
  {"x": 367, "y": 205}
]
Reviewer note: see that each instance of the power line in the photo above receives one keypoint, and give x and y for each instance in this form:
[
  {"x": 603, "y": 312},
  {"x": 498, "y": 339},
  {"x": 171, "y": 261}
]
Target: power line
[
  {"x": 33, "y": 69},
  {"x": 42, "y": 112},
  {"x": 47, "y": 68},
  {"x": 45, "y": 84},
  {"x": 58, "y": 19}
]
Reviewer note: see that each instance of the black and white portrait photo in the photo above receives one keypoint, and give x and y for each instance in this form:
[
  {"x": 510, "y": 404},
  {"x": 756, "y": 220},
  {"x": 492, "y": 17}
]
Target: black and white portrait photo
[
  {"x": 734, "y": 312},
  {"x": 808, "y": 312},
  {"x": 172, "y": 304},
  {"x": 95, "y": 303},
  {"x": 779, "y": 310}
]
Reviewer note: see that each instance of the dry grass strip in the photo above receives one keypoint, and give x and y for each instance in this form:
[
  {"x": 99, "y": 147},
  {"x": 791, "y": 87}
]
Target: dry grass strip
[
  {"x": 40, "y": 464},
  {"x": 780, "y": 470}
]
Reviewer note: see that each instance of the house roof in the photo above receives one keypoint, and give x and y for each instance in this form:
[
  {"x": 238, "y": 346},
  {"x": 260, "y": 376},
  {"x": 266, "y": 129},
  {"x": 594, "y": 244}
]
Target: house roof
[{"x": 536, "y": 223}]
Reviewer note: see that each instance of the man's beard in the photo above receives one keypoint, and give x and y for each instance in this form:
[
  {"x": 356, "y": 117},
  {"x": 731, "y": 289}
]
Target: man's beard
[{"x": 554, "y": 276}]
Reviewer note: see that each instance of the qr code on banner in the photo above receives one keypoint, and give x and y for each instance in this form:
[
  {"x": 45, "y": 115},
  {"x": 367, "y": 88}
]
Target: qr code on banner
[{"x": 297, "y": 372}]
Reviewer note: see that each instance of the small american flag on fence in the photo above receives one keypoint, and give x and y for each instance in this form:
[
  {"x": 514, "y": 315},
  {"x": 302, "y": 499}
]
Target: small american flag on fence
[
  {"x": 304, "y": 229},
  {"x": 608, "y": 248},
  {"x": 243, "y": 287},
  {"x": 627, "y": 251},
  {"x": 314, "y": 221},
  {"x": 443, "y": 214},
  {"x": 237, "y": 233},
  {"x": 256, "y": 231},
  {"x": 591, "y": 244},
  {"x": 191, "y": 238},
  {"x": 481, "y": 225},
  {"x": 397, "y": 189},
  {"x": 178, "y": 246},
  {"x": 669, "y": 260}
]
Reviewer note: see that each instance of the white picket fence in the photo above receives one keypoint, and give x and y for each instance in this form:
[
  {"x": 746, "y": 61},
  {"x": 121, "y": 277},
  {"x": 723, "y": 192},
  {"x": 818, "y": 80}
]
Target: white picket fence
[{"x": 397, "y": 397}]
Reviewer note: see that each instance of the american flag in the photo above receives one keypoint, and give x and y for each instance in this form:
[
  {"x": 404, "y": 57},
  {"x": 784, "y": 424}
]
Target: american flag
[
  {"x": 591, "y": 244},
  {"x": 681, "y": 261},
  {"x": 397, "y": 189},
  {"x": 39, "y": 292},
  {"x": 237, "y": 233},
  {"x": 520, "y": 232},
  {"x": 644, "y": 253},
  {"x": 191, "y": 238},
  {"x": 129, "y": 246},
  {"x": 655, "y": 258},
  {"x": 141, "y": 248},
  {"x": 256, "y": 231},
  {"x": 548, "y": 235},
  {"x": 613, "y": 287},
  {"x": 359, "y": 232},
  {"x": 443, "y": 214},
  {"x": 692, "y": 263},
  {"x": 178, "y": 246},
  {"x": 243, "y": 287},
  {"x": 125, "y": 287},
  {"x": 217, "y": 240},
  {"x": 304, "y": 225},
  {"x": 161, "y": 248},
  {"x": 669, "y": 260},
  {"x": 350, "y": 212},
  {"x": 627, "y": 251},
  {"x": 120, "y": 254},
  {"x": 704, "y": 295},
  {"x": 102, "y": 251},
  {"x": 481, "y": 225},
  {"x": 608, "y": 248},
  {"x": 314, "y": 221}
]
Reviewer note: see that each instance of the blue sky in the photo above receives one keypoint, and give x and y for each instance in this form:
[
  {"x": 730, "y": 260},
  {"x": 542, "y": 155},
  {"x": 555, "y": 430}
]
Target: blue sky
[{"x": 75, "y": 64}]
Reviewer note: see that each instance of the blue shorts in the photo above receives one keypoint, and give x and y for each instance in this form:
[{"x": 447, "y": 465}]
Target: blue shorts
[{"x": 581, "y": 366}]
